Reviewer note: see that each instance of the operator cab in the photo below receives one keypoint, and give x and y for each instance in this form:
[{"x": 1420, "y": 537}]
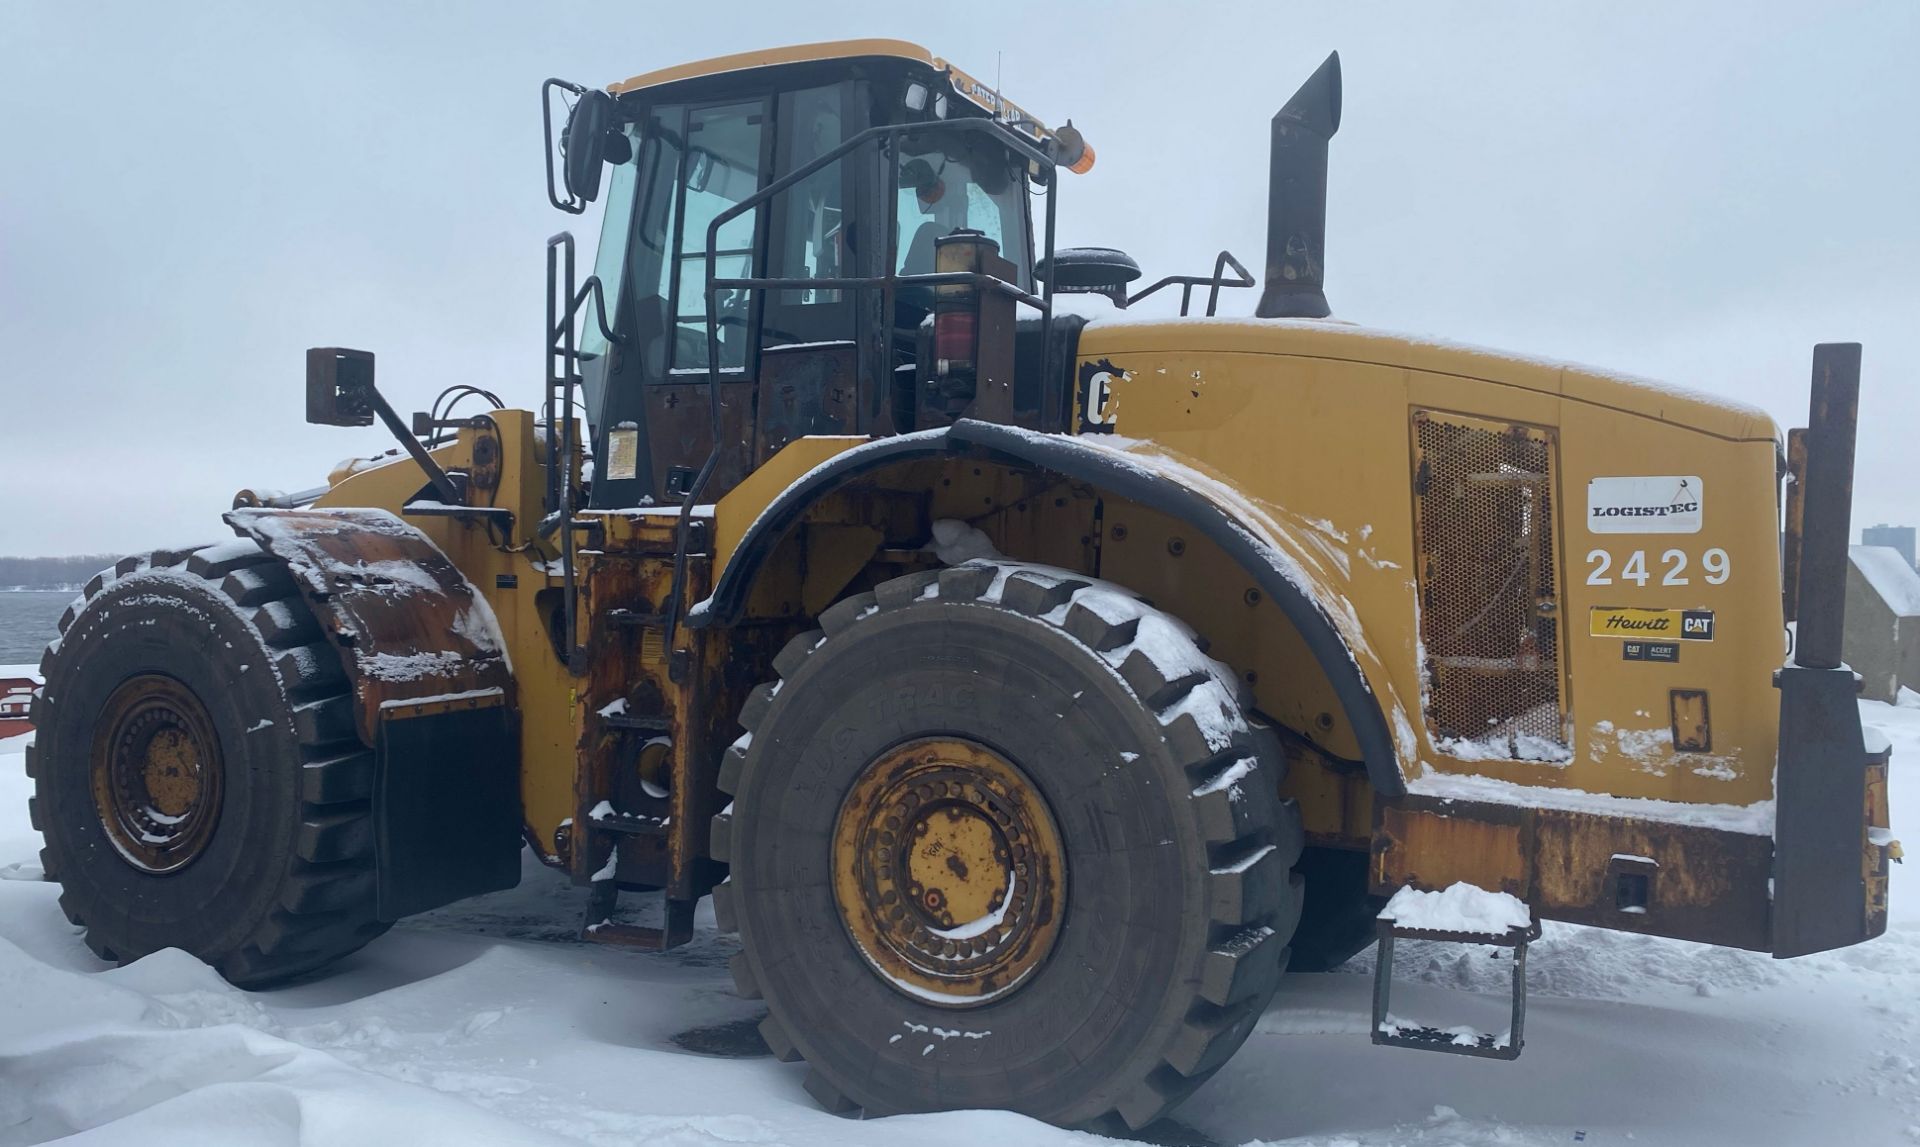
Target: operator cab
[{"x": 839, "y": 352}]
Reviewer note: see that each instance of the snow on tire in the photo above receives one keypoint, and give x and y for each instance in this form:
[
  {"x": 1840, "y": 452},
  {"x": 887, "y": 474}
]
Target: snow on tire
[
  {"x": 197, "y": 776},
  {"x": 1179, "y": 895}
]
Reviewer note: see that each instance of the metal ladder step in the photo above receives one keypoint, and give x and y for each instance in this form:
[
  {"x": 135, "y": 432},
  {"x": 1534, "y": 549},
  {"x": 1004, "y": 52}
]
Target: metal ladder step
[
  {"x": 630, "y": 824},
  {"x": 635, "y": 619},
  {"x": 599, "y": 926},
  {"x": 647, "y": 724},
  {"x": 1392, "y": 1031}
]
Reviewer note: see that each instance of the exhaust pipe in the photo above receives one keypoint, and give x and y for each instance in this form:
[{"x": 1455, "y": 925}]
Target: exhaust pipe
[{"x": 1297, "y": 199}]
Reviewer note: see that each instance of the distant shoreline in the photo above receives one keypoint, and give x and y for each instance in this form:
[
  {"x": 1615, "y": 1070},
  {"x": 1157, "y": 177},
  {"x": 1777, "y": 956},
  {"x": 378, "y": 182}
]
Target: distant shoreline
[{"x": 63, "y": 587}]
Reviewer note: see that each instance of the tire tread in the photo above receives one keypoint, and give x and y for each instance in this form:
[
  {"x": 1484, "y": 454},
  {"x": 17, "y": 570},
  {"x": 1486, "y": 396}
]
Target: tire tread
[
  {"x": 1252, "y": 895},
  {"x": 326, "y": 903}
]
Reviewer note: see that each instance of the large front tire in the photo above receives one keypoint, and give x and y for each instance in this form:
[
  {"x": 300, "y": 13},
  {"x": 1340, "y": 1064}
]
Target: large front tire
[
  {"x": 1048, "y": 720},
  {"x": 197, "y": 777}
]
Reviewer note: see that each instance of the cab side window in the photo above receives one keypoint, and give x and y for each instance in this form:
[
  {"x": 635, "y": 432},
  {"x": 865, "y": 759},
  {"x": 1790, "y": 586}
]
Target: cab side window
[
  {"x": 722, "y": 166},
  {"x": 813, "y": 244}
]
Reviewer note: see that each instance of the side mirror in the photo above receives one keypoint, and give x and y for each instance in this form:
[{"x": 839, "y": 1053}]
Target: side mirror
[
  {"x": 339, "y": 387},
  {"x": 584, "y": 146}
]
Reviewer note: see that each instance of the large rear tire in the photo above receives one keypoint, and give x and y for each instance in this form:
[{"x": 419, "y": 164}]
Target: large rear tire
[
  {"x": 1121, "y": 917},
  {"x": 197, "y": 777}
]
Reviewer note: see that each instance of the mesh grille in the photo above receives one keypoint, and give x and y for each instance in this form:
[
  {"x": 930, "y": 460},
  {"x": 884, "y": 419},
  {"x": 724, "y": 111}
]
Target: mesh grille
[{"x": 1484, "y": 516}]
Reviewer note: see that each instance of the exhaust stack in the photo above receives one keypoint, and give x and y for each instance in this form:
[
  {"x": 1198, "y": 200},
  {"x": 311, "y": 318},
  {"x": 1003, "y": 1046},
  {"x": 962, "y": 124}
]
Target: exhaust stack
[{"x": 1297, "y": 199}]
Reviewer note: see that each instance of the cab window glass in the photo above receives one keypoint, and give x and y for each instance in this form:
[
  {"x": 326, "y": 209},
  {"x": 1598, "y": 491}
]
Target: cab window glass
[
  {"x": 812, "y": 244},
  {"x": 610, "y": 262},
  {"x": 943, "y": 191},
  {"x": 721, "y": 168},
  {"x": 650, "y": 276}
]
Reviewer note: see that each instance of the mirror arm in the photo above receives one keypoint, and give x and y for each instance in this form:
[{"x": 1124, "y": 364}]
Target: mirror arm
[
  {"x": 572, "y": 204},
  {"x": 443, "y": 484}
]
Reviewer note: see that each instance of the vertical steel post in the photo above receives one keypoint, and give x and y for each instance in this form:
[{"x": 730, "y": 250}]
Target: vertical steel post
[
  {"x": 1382, "y": 980},
  {"x": 1827, "y": 504},
  {"x": 1820, "y": 776}
]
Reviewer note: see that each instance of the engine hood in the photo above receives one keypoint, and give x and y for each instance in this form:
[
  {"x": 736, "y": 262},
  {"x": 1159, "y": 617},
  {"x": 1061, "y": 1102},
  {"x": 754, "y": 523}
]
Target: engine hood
[{"x": 1329, "y": 339}]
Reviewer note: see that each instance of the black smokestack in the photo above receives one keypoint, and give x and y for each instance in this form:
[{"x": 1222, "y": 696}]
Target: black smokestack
[{"x": 1297, "y": 199}]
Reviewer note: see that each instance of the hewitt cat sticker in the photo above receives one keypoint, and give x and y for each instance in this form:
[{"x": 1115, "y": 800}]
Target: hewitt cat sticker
[{"x": 1650, "y": 505}]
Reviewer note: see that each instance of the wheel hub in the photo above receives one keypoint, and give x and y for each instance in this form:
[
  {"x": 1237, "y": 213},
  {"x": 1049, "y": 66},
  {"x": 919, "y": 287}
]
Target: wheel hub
[
  {"x": 156, "y": 773},
  {"x": 948, "y": 871}
]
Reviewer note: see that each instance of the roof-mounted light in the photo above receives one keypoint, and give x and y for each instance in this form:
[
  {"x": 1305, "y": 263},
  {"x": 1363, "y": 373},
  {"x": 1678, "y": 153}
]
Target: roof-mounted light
[{"x": 1071, "y": 149}]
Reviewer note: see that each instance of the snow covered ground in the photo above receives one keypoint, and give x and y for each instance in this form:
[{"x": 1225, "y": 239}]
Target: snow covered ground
[{"x": 488, "y": 1024}]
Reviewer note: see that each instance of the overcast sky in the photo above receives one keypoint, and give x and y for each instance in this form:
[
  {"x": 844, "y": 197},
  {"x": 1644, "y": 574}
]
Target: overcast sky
[{"x": 193, "y": 194}]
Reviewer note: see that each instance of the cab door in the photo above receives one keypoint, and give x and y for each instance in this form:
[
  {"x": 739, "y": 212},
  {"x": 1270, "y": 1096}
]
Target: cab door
[
  {"x": 726, "y": 149},
  {"x": 786, "y": 356},
  {"x": 809, "y": 369},
  {"x": 648, "y": 392}
]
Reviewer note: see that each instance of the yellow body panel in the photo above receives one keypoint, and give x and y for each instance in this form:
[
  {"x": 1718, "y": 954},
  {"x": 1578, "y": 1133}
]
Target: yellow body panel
[
  {"x": 549, "y": 722},
  {"x": 1303, "y": 429},
  {"x": 1301, "y": 432},
  {"x": 736, "y": 513}
]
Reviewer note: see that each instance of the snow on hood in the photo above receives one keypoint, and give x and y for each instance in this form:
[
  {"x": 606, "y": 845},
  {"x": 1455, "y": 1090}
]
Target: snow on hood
[{"x": 1122, "y": 333}]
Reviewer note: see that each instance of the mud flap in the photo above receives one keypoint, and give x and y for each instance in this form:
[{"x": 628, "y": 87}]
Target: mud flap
[
  {"x": 1820, "y": 829},
  {"x": 446, "y": 802}
]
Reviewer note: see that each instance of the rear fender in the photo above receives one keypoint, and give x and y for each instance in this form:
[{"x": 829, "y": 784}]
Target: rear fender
[{"x": 1288, "y": 564}]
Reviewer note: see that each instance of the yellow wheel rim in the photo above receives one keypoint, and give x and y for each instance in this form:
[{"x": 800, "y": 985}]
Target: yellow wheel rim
[
  {"x": 156, "y": 773},
  {"x": 948, "y": 871}
]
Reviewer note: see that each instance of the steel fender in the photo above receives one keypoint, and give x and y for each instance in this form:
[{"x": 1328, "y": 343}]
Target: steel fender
[
  {"x": 409, "y": 626},
  {"x": 1292, "y": 566}
]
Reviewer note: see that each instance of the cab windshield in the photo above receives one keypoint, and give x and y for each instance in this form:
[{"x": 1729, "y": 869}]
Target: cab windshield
[{"x": 948, "y": 185}]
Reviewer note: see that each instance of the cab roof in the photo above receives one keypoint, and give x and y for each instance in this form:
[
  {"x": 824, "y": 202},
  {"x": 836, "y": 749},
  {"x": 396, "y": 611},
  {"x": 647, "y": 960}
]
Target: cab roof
[
  {"x": 973, "y": 91},
  {"x": 793, "y": 54}
]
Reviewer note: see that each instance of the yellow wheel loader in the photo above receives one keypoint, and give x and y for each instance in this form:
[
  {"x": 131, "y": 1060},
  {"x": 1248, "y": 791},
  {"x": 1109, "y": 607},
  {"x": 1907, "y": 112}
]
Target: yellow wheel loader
[{"x": 1026, "y": 688}]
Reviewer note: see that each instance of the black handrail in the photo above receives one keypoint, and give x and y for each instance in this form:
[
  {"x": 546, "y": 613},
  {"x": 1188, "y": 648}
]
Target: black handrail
[
  {"x": 562, "y": 358},
  {"x": 1189, "y": 282},
  {"x": 887, "y": 283}
]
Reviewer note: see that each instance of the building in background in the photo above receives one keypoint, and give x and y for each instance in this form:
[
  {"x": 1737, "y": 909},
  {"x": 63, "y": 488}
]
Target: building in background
[
  {"x": 1898, "y": 537},
  {"x": 1882, "y": 636}
]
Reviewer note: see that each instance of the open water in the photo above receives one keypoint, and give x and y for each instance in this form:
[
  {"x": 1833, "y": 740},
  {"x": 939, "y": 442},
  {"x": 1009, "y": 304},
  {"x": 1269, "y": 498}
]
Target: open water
[{"x": 29, "y": 618}]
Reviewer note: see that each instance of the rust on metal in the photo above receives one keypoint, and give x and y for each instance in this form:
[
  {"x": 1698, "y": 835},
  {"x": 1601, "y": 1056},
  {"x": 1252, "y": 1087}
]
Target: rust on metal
[
  {"x": 157, "y": 773},
  {"x": 485, "y": 474},
  {"x": 628, "y": 705},
  {"x": 804, "y": 392},
  {"x": 1686, "y": 881},
  {"x": 1489, "y": 851},
  {"x": 1692, "y": 727},
  {"x": 407, "y": 622},
  {"x": 1790, "y": 535},
  {"x": 1876, "y": 857},
  {"x": 650, "y": 745},
  {"x": 1484, "y": 558},
  {"x": 680, "y": 431},
  {"x": 948, "y": 871}
]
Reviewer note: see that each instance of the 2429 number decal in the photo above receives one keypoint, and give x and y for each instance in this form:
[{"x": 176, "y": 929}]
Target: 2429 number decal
[{"x": 1716, "y": 568}]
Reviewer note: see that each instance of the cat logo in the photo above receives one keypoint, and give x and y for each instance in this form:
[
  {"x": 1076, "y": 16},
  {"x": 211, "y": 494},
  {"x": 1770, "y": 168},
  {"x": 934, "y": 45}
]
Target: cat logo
[
  {"x": 1655, "y": 624},
  {"x": 1098, "y": 410}
]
